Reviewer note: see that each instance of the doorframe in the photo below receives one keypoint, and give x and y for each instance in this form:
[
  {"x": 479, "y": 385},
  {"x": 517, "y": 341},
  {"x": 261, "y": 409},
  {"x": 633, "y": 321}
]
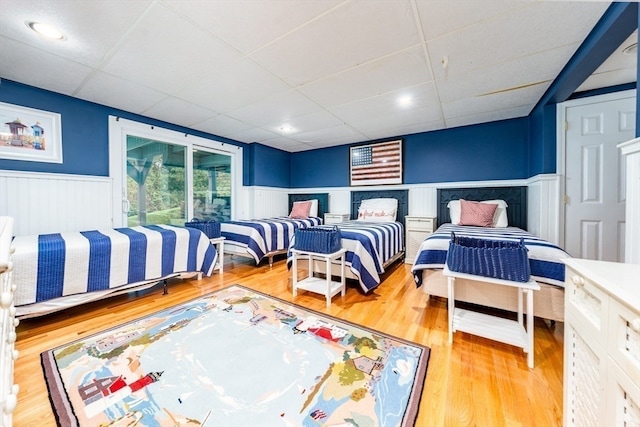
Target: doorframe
[
  {"x": 561, "y": 145},
  {"x": 119, "y": 128}
]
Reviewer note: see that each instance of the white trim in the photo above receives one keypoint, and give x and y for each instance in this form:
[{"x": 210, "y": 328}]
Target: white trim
[
  {"x": 58, "y": 176},
  {"x": 119, "y": 128}
]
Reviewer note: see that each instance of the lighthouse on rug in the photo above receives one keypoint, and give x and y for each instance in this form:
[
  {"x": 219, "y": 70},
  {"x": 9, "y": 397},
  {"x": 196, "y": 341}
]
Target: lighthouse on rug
[{"x": 101, "y": 393}]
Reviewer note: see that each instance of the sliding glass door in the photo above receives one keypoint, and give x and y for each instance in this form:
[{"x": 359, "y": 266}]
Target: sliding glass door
[
  {"x": 170, "y": 178},
  {"x": 211, "y": 185},
  {"x": 156, "y": 182}
]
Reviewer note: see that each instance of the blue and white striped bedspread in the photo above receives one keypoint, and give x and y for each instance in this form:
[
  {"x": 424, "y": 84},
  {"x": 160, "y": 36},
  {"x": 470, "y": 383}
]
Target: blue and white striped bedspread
[
  {"x": 369, "y": 246},
  {"x": 262, "y": 236},
  {"x": 54, "y": 265},
  {"x": 544, "y": 257}
]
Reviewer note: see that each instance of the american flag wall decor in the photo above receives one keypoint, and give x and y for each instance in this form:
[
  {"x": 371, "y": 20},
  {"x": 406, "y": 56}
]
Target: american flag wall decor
[{"x": 376, "y": 164}]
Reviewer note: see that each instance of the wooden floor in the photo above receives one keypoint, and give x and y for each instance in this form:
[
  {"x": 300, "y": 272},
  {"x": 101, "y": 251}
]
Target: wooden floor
[{"x": 474, "y": 382}]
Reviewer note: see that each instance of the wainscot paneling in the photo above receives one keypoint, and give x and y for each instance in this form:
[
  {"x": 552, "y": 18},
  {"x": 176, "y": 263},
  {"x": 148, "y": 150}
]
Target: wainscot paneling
[
  {"x": 545, "y": 212},
  {"x": 265, "y": 202},
  {"x": 44, "y": 203}
]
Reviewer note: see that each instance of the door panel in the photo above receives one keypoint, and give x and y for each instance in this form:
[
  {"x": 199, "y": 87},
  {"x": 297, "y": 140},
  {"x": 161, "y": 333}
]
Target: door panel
[{"x": 595, "y": 203}]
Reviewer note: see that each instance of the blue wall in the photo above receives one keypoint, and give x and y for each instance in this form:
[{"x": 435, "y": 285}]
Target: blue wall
[
  {"x": 488, "y": 151},
  {"x": 325, "y": 167},
  {"x": 85, "y": 130},
  {"x": 266, "y": 166}
]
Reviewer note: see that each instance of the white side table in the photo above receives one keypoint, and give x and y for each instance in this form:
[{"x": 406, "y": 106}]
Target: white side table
[
  {"x": 325, "y": 287},
  {"x": 335, "y": 218},
  {"x": 495, "y": 328},
  {"x": 418, "y": 228},
  {"x": 219, "y": 242}
]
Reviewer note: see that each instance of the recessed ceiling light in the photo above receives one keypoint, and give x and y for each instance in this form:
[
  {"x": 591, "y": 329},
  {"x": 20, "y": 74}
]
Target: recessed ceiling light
[
  {"x": 286, "y": 129},
  {"x": 46, "y": 30},
  {"x": 405, "y": 101}
]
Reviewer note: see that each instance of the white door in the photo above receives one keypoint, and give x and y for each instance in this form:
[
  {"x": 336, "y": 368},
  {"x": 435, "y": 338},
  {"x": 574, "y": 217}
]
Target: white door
[{"x": 594, "y": 176}]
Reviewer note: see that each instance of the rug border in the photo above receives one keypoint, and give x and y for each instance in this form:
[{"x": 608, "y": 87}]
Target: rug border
[{"x": 66, "y": 415}]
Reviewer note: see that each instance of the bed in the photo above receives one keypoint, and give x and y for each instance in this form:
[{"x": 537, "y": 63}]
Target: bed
[
  {"x": 545, "y": 258},
  {"x": 265, "y": 238},
  {"x": 371, "y": 246},
  {"x": 57, "y": 271}
]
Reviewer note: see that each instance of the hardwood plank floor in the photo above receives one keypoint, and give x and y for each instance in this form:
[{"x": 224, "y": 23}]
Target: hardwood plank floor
[{"x": 474, "y": 382}]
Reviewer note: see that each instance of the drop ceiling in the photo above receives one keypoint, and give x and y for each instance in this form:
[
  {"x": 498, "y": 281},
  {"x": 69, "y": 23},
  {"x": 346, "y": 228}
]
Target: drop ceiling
[{"x": 301, "y": 75}]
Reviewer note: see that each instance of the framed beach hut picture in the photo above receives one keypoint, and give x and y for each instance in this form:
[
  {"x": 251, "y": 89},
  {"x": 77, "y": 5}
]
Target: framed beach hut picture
[{"x": 29, "y": 134}]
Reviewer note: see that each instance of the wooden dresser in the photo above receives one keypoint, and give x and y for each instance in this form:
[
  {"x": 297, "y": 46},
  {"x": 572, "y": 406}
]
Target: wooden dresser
[{"x": 601, "y": 343}]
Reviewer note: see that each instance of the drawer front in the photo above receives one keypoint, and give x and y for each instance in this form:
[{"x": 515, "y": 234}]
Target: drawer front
[
  {"x": 420, "y": 223},
  {"x": 587, "y": 304},
  {"x": 624, "y": 338}
]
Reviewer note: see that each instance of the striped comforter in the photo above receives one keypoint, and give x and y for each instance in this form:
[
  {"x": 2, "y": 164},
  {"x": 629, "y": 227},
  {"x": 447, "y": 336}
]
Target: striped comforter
[
  {"x": 544, "y": 257},
  {"x": 260, "y": 237},
  {"x": 369, "y": 246},
  {"x": 54, "y": 265}
]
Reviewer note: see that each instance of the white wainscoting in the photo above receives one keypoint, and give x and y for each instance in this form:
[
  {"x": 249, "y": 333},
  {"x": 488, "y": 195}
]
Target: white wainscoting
[
  {"x": 44, "y": 203},
  {"x": 53, "y": 203},
  {"x": 265, "y": 202},
  {"x": 545, "y": 213}
]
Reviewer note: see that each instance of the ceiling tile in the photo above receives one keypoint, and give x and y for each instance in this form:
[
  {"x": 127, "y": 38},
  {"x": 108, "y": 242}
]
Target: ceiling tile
[
  {"x": 406, "y": 68},
  {"x": 122, "y": 94},
  {"x": 349, "y": 35},
  {"x": 282, "y": 107},
  {"x": 87, "y": 40},
  {"x": 489, "y": 116},
  {"x": 525, "y": 31},
  {"x": 249, "y": 24},
  {"x": 164, "y": 51},
  {"x": 540, "y": 68},
  {"x": 239, "y": 84},
  {"x": 174, "y": 110},
  {"x": 222, "y": 125},
  {"x": 23, "y": 63}
]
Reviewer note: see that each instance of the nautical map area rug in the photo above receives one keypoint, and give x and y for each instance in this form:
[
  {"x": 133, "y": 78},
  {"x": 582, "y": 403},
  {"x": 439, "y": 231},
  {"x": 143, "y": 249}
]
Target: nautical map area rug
[{"x": 236, "y": 357}]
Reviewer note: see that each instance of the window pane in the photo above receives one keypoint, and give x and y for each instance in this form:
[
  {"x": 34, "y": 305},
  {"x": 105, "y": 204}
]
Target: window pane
[
  {"x": 211, "y": 185},
  {"x": 155, "y": 182}
]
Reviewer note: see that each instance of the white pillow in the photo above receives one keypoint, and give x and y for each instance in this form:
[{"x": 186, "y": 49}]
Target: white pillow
[
  {"x": 379, "y": 203},
  {"x": 499, "y": 218},
  {"x": 378, "y": 210},
  {"x": 376, "y": 214},
  {"x": 314, "y": 208}
]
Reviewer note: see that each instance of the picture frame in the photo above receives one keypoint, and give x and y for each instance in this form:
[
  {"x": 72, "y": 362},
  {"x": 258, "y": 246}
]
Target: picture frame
[
  {"x": 376, "y": 164},
  {"x": 29, "y": 134}
]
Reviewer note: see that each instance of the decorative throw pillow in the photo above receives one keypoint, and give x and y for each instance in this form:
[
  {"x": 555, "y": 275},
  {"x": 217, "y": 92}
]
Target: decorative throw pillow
[
  {"x": 376, "y": 215},
  {"x": 478, "y": 214},
  {"x": 300, "y": 210}
]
